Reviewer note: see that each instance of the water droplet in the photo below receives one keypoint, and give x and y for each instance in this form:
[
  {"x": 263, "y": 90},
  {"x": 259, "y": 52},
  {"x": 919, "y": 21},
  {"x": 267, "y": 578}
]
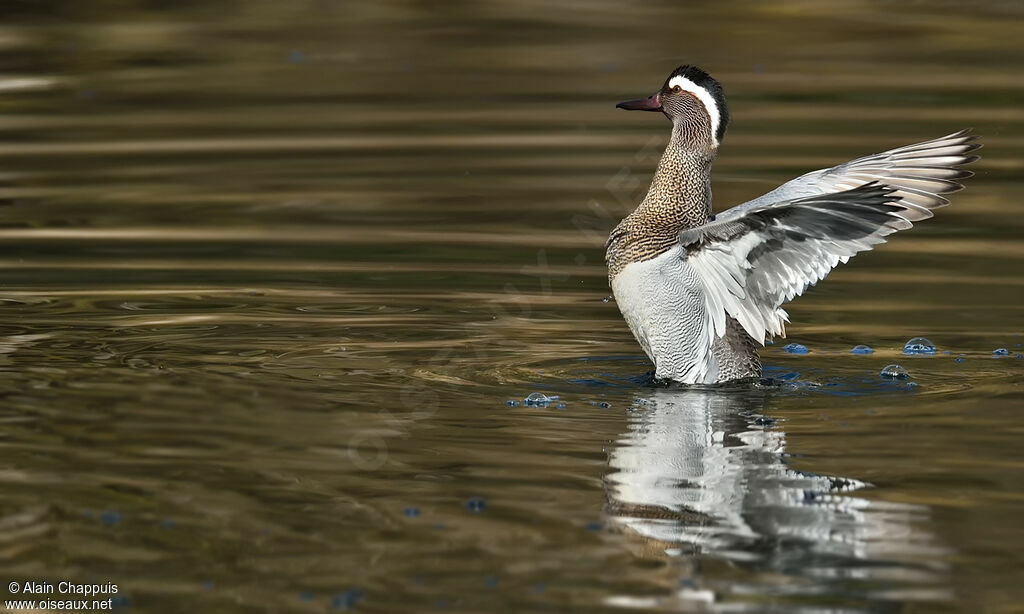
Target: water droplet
[
  {"x": 862, "y": 349},
  {"x": 476, "y": 504},
  {"x": 347, "y": 600},
  {"x": 919, "y": 345},
  {"x": 120, "y": 601},
  {"x": 1001, "y": 352},
  {"x": 604, "y": 405},
  {"x": 512, "y": 403},
  {"x": 593, "y": 526},
  {"x": 1020, "y": 356},
  {"x": 796, "y": 348},
  {"x": 606, "y": 299},
  {"x": 959, "y": 359},
  {"x": 894, "y": 372},
  {"x": 560, "y": 406},
  {"x": 491, "y": 581},
  {"x": 167, "y": 523},
  {"x": 110, "y": 518},
  {"x": 412, "y": 511},
  {"x": 537, "y": 399}
]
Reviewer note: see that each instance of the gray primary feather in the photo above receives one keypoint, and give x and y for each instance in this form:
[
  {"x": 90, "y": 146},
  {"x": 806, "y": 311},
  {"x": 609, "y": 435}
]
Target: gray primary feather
[{"x": 920, "y": 173}]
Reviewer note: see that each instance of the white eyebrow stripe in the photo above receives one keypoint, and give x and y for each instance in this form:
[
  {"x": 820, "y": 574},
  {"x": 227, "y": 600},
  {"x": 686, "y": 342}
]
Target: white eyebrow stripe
[{"x": 705, "y": 98}]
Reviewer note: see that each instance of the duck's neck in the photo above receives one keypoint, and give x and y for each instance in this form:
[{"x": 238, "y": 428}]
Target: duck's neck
[{"x": 680, "y": 193}]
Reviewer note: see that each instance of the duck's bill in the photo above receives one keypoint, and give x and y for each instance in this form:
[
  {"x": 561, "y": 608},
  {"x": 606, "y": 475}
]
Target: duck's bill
[{"x": 651, "y": 103}]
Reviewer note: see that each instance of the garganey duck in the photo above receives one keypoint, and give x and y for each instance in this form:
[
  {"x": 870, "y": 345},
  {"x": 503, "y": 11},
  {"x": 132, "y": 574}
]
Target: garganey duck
[{"x": 699, "y": 291}]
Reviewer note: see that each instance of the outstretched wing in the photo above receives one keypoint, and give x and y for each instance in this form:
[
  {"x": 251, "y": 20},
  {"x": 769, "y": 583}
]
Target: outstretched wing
[
  {"x": 753, "y": 258},
  {"x": 920, "y": 173},
  {"x": 751, "y": 262}
]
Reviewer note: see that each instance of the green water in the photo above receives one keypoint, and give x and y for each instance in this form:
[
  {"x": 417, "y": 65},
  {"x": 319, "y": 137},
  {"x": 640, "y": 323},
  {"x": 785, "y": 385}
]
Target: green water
[{"x": 270, "y": 272}]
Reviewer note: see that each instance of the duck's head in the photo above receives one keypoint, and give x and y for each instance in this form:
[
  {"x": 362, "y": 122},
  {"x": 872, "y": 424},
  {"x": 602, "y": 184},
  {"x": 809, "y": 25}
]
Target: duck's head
[{"x": 693, "y": 100}]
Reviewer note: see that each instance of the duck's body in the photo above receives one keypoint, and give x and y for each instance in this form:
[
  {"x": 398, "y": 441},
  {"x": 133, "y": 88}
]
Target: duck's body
[{"x": 701, "y": 292}]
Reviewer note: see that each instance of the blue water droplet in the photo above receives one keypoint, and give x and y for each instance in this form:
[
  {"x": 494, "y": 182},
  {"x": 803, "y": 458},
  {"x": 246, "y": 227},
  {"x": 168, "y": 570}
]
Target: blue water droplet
[
  {"x": 347, "y": 600},
  {"x": 560, "y": 406},
  {"x": 862, "y": 349},
  {"x": 959, "y": 359},
  {"x": 1001, "y": 352},
  {"x": 540, "y": 587},
  {"x": 594, "y": 526},
  {"x": 537, "y": 399},
  {"x": 796, "y": 348},
  {"x": 476, "y": 504},
  {"x": 111, "y": 517},
  {"x": 512, "y": 403},
  {"x": 604, "y": 405},
  {"x": 894, "y": 372},
  {"x": 919, "y": 345},
  {"x": 167, "y": 523},
  {"x": 1020, "y": 356},
  {"x": 491, "y": 581},
  {"x": 412, "y": 511},
  {"x": 306, "y": 596},
  {"x": 296, "y": 57},
  {"x": 121, "y": 601}
]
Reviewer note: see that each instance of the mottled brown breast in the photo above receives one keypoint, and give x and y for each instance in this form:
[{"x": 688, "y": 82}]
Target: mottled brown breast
[
  {"x": 679, "y": 197},
  {"x": 633, "y": 242}
]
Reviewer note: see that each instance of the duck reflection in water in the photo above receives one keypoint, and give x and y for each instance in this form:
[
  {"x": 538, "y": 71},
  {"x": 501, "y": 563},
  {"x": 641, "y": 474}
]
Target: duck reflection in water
[{"x": 704, "y": 472}]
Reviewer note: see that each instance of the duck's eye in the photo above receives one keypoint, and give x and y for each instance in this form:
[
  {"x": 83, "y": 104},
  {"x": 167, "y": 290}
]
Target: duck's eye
[{"x": 677, "y": 89}]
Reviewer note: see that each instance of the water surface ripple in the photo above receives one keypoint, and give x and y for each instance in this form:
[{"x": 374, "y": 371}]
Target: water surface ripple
[{"x": 276, "y": 279}]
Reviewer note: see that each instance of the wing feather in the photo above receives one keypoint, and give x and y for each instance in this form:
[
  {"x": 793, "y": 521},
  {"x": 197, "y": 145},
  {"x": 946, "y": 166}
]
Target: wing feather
[
  {"x": 909, "y": 169},
  {"x": 751, "y": 260}
]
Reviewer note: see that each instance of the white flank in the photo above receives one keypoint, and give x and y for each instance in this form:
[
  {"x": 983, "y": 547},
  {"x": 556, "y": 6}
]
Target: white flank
[{"x": 663, "y": 302}]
